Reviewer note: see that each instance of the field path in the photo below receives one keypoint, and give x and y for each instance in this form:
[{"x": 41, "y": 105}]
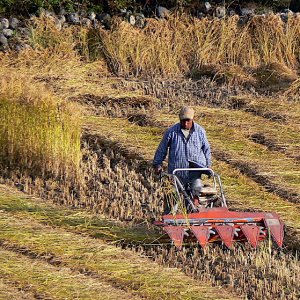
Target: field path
[{"x": 52, "y": 258}]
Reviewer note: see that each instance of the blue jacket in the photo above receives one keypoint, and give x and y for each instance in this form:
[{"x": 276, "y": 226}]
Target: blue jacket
[{"x": 182, "y": 151}]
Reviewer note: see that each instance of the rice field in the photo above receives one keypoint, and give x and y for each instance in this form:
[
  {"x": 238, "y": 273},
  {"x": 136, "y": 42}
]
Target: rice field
[
  {"x": 79, "y": 131},
  {"x": 40, "y": 134},
  {"x": 56, "y": 262},
  {"x": 36, "y": 233}
]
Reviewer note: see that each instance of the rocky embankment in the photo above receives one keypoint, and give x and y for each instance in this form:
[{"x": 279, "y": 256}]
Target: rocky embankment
[{"x": 15, "y": 32}]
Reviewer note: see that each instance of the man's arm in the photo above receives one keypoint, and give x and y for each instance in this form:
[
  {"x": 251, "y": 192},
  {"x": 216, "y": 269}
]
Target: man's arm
[
  {"x": 206, "y": 149},
  {"x": 161, "y": 152}
]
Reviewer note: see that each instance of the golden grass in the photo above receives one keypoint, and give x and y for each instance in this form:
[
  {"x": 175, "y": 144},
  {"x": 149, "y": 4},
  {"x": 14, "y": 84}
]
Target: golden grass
[
  {"x": 78, "y": 220},
  {"x": 52, "y": 50},
  {"x": 39, "y": 132},
  {"x": 57, "y": 57},
  {"x": 59, "y": 282},
  {"x": 176, "y": 47},
  {"x": 241, "y": 191},
  {"x": 128, "y": 270},
  {"x": 294, "y": 89},
  {"x": 274, "y": 75},
  {"x": 45, "y": 34},
  {"x": 124, "y": 268}
]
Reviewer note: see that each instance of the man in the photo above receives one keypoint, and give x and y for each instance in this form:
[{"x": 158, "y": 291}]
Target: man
[{"x": 187, "y": 146}]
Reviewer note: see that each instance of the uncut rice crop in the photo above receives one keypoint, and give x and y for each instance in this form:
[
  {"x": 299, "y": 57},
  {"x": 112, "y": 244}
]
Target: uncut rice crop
[
  {"x": 161, "y": 48},
  {"x": 39, "y": 133},
  {"x": 227, "y": 49},
  {"x": 45, "y": 35}
]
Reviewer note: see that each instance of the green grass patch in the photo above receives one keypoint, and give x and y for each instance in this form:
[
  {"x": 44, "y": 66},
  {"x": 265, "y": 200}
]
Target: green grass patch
[
  {"x": 140, "y": 139},
  {"x": 282, "y": 135},
  {"x": 278, "y": 108}
]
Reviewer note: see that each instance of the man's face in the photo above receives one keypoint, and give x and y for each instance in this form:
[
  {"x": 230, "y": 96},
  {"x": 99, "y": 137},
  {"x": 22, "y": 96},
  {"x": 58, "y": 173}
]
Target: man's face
[{"x": 186, "y": 124}]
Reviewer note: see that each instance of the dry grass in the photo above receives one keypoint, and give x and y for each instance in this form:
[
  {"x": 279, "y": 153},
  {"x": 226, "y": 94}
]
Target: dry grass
[
  {"x": 294, "y": 89},
  {"x": 40, "y": 133},
  {"x": 274, "y": 76},
  {"x": 48, "y": 282},
  {"x": 46, "y": 35},
  {"x": 52, "y": 50},
  {"x": 9, "y": 290},
  {"x": 57, "y": 57},
  {"x": 264, "y": 46},
  {"x": 162, "y": 48},
  {"x": 121, "y": 268}
]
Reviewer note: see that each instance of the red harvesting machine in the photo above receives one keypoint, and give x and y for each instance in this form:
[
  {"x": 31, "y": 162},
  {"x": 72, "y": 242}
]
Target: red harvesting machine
[{"x": 205, "y": 217}]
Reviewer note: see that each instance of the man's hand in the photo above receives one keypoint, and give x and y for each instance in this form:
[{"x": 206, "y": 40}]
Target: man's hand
[
  {"x": 158, "y": 170},
  {"x": 209, "y": 174}
]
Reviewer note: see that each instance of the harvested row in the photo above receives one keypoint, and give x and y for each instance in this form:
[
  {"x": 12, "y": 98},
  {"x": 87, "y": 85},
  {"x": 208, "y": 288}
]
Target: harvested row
[
  {"x": 230, "y": 145},
  {"x": 282, "y": 137},
  {"x": 96, "y": 261},
  {"x": 47, "y": 281},
  {"x": 238, "y": 270},
  {"x": 118, "y": 106},
  {"x": 241, "y": 191},
  {"x": 204, "y": 91},
  {"x": 78, "y": 220}
]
